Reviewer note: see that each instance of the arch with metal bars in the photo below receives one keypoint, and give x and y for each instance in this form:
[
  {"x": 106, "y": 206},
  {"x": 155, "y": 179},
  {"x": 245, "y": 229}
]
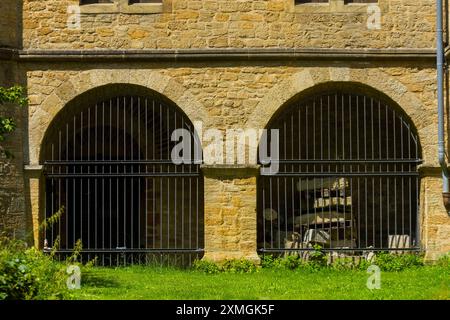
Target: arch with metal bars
[
  {"x": 348, "y": 176},
  {"x": 107, "y": 163}
]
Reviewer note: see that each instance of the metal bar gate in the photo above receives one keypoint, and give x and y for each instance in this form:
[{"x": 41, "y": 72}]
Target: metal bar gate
[
  {"x": 347, "y": 179},
  {"x": 109, "y": 167}
]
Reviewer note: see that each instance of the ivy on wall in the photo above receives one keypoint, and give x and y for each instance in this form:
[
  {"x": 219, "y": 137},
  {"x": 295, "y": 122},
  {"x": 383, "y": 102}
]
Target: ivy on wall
[{"x": 13, "y": 95}]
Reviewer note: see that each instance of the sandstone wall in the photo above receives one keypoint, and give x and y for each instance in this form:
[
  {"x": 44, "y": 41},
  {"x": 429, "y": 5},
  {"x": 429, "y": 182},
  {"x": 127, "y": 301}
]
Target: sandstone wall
[
  {"x": 10, "y": 25},
  {"x": 223, "y": 96},
  {"x": 230, "y": 24},
  {"x": 13, "y": 218}
]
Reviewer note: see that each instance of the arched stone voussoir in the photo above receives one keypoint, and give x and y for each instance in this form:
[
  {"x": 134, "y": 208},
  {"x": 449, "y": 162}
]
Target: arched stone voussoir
[
  {"x": 278, "y": 96},
  {"x": 94, "y": 79},
  {"x": 372, "y": 81},
  {"x": 305, "y": 81}
]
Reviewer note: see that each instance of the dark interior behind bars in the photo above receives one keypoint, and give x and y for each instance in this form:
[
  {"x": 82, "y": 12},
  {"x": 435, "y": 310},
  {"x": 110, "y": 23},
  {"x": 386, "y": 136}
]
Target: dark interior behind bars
[
  {"x": 347, "y": 178},
  {"x": 109, "y": 165}
]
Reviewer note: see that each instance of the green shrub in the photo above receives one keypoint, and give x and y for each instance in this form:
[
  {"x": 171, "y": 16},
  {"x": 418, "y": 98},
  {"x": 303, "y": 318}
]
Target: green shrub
[
  {"x": 239, "y": 266},
  {"x": 344, "y": 264},
  {"x": 27, "y": 273},
  {"x": 317, "y": 257},
  {"x": 230, "y": 266},
  {"x": 398, "y": 262},
  {"x": 206, "y": 266},
  {"x": 291, "y": 262},
  {"x": 269, "y": 261},
  {"x": 444, "y": 261},
  {"x": 318, "y": 260}
]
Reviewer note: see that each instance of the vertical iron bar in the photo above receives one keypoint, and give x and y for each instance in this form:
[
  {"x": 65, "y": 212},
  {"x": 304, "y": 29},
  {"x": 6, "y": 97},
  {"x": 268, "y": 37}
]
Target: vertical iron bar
[
  {"x": 395, "y": 178},
  {"x": 271, "y": 208},
  {"x": 381, "y": 169},
  {"x": 373, "y": 169},
  {"x": 74, "y": 191},
  {"x": 403, "y": 181},
  {"x": 125, "y": 171},
  {"x": 89, "y": 182},
  {"x": 103, "y": 128},
  {"x": 81, "y": 180},
  {"x": 132, "y": 179},
  {"x": 139, "y": 171},
  {"x": 59, "y": 190},
  {"x": 67, "y": 187},
  {"x": 52, "y": 193}
]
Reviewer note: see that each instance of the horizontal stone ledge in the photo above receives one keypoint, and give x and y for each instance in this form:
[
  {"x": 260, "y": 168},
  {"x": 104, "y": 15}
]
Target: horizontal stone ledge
[
  {"x": 230, "y": 171},
  {"x": 427, "y": 171},
  {"x": 33, "y": 171},
  {"x": 263, "y": 54}
]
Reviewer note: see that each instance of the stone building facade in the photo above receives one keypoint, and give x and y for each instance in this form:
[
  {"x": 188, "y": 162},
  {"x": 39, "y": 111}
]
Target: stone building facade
[{"x": 226, "y": 63}]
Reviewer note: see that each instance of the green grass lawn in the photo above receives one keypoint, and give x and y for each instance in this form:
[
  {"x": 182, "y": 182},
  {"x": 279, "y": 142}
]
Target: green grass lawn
[{"x": 158, "y": 283}]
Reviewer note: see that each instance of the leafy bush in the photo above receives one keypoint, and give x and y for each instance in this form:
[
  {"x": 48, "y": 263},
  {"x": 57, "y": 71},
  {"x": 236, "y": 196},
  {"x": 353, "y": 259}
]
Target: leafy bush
[
  {"x": 206, "y": 266},
  {"x": 239, "y": 266},
  {"x": 290, "y": 262},
  {"x": 27, "y": 273},
  {"x": 269, "y": 261},
  {"x": 318, "y": 260},
  {"x": 444, "y": 261},
  {"x": 230, "y": 266},
  {"x": 394, "y": 262}
]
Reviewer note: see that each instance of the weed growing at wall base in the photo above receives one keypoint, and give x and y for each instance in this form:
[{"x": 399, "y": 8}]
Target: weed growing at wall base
[
  {"x": 228, "y": 266},
  {"x": 27, "y": 273},
  {"x": 317, "y": 260}
]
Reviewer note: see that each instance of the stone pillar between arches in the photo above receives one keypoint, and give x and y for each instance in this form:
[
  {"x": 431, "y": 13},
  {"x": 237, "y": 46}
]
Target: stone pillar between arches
[{"x": 230, "y": 213}]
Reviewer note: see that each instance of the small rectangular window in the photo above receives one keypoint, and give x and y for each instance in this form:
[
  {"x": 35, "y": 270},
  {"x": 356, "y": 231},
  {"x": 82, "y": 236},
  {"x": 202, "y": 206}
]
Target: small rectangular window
[
  {"x": 310, "y": 1},
  {"x": 360, "y": 1},
  {"x": 144, "y": 1},
  {"x": 95, "y": 1}
]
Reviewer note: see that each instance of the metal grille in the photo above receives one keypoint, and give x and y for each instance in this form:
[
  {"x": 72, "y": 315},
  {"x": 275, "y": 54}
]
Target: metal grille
[
  {"x": 347, "y": 178},
  {"x": 109, "y": 165}
]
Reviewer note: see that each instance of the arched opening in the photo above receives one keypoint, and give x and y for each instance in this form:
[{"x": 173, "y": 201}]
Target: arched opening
[
  {"x": 347, "y": 177},
  {"x": 108, "y": 163}
]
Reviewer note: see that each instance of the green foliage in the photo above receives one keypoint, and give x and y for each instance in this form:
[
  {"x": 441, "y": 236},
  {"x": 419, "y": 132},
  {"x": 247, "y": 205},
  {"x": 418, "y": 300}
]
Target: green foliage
[
  {"x": 268, "y": 261},
  {"x": 239, "y": 266},
  {"x": 15, "y": 95},
  {"x": 398, "y": 262},
  {"x": 317, "y": 260},
  {"x": 444, "y": 261},
  {"x": 229, "y": 266},
  {"x": 54, "y": 218},
  {"x": 206, "y": 266},
  {"x": 290, "y": 262},
  {"x": 27, "y": 273},
  {"x": 76, "y": 253},
  {"x": 157, "y": 283}
]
